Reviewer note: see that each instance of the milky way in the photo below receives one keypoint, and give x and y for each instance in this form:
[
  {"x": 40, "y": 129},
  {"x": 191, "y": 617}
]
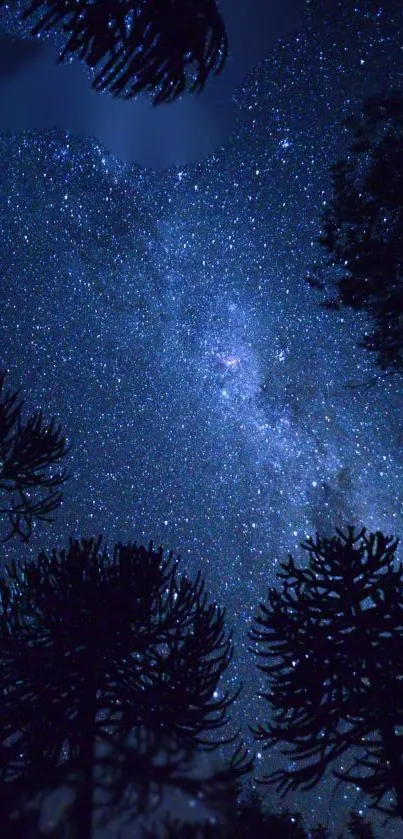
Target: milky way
[{"x": 212, "y": 405}]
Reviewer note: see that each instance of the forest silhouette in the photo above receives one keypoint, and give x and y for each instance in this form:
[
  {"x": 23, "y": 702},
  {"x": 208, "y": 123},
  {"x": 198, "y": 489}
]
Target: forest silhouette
[
  {"x": 111, "y": 665},
  {"x": 362, "y": 229},
  {"x": 112, "y": 660}
]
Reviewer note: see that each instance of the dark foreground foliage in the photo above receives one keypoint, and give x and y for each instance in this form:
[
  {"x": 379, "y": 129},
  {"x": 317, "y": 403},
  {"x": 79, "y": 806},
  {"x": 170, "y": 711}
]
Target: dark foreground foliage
[
  {"x": 110, "y": 664},
  {"x": 330, "y": 642},
  {"x": 163, "y": 47},
  {"x": 31, "y": 477},
  {"x": 362, "y": 231}
]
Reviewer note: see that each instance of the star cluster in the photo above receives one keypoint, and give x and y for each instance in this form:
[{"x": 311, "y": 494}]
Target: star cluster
[{"x": 164, "y": 318}]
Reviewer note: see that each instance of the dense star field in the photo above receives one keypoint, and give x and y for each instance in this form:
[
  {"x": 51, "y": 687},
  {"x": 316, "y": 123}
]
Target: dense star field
[{"x": 163, "y": 317}]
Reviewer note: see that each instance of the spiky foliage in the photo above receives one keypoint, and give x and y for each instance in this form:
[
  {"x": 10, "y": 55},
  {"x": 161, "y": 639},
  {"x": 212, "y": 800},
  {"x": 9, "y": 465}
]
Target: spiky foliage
[
  {"x": 362, "y": 228},
  {"x": 110, "y": 664},
  {"x": 166, "y": 47},
  {"x": 30, "y": 473},
  {"x": 332, "y": 640}
]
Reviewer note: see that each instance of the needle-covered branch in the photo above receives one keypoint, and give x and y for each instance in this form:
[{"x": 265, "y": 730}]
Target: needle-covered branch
[
  {"x": 110, "y": 666},
  {"x": 362, "y": 229},
  {"x": 166, "y": 47},
  {"x": 31, "y": 451},
  {"x": 330, "y": 642}
]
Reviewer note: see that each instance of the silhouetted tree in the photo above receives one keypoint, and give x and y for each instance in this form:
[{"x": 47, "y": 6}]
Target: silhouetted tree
[
  {"x": 110, "y": 665},
  {"x": 30, "y": 454},
  {"x": 137, "y": 45},
  {"x": 335, "y": 632},
  {"x": 363, "y": 228}
]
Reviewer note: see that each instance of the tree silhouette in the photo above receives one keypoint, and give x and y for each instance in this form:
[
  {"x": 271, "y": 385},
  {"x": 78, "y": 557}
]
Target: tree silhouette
[
  {"x": 30, "y": 477},
  {"x": 363, "y": 228},
  {"x": 110, "y": 667},
  {"x": 335, "y": 632},
  {"x": 136, "y": 45}
]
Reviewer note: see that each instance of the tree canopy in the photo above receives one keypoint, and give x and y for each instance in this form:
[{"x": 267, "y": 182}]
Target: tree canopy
[
  {"x": 30, "y": 475},
  {"x": 110, "y": 666},
  {"x": 166, "y": 48},
  {"x": 362, "y": 228},
  {"x": 332, "y": 643}
]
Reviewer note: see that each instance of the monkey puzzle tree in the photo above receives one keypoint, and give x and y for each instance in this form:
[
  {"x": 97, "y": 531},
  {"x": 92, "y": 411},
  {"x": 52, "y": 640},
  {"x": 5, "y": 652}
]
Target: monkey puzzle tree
[
  {"x": 362, "y": 228},
  {"x": 155, "y": 45},
  {"x": 30, "y": 477},
  {"x": 332, "y": 640},
  {"x": 110, "y": 665}
]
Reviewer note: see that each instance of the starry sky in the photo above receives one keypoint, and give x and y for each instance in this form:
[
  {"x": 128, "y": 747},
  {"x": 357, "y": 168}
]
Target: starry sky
[{"x": 163, "y": 317}]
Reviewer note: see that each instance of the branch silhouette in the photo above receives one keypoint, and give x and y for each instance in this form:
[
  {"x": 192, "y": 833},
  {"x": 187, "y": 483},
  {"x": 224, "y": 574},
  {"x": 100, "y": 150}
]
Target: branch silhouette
[
  {"x": 110, "y": 667},
  {"x": 362, "y": 229},
  {"x": 166, "y": 47},
  {"x": 334, "y": 631},
  {"x": 30, "y": 476}
]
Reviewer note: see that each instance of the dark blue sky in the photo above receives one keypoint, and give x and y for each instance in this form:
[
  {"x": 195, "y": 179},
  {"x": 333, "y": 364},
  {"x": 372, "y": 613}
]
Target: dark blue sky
[{"x": 163, "y": 317}]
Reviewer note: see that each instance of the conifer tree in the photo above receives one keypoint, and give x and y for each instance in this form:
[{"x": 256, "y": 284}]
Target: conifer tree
[
  {"x": 30, "y": 473},
  {"x": 362, "y": 229},
  {"x": 330, "y": 642},
  {"x": 110, "y": 664}
]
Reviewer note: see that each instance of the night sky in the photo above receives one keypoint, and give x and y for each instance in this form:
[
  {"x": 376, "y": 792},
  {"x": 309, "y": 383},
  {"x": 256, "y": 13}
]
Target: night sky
[{"x": 163, "y": 317}]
